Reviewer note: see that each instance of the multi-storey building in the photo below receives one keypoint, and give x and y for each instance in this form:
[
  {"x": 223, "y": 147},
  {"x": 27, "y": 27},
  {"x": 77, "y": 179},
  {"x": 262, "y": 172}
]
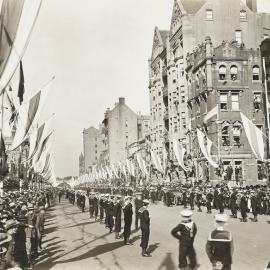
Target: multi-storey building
[
  {"x": 120, "y": 130},
  {"x": 229, "y": 78},
  {"x": 92, "y": 148},
  {"x": 191, "y": 22}
]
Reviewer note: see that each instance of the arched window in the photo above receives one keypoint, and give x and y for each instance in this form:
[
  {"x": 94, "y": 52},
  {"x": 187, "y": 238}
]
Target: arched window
[
  {"x": 233, "y": 72},
  {"x": 225, "y": 136},
  {"x": 256, "y": 73},
  {"x": 222, "y": 73},
  {"x": 243, "y": 15}
]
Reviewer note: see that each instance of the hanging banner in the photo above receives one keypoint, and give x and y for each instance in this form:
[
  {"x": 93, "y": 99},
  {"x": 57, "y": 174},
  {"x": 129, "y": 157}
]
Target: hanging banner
[
  {"x": 179, "y": 152},
  {"x": 206, "y": 149}
]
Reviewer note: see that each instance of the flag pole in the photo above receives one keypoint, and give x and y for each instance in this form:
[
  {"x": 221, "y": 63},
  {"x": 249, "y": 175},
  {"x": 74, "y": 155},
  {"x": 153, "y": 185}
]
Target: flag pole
[
  {"x": 218, "y": 135},
  {"x": 267, "y": 108},
  {"x": 267, "y": 117}
]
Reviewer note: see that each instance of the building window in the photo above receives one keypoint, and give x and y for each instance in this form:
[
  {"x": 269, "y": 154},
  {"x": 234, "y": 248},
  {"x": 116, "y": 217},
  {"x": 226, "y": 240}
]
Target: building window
[
  {"x": 209, "y": 14},
  {"x": 257, "y": 101},
  {"x": 236, "y": 135},
  {"x": 183, "y": 98},
  {"x": 222, "y": 73},
  {"x": 223, "y": 102},
  {"x": 235, "y": 102},
  {"x": 256, "y": 73},
  {"x": 238, "y": 36},
  {"x": 184, "y": 123},
  {"x": 234, "y": 72},
  {"x": 243, "y": 15},
  {"x": 225, "y": 136}
]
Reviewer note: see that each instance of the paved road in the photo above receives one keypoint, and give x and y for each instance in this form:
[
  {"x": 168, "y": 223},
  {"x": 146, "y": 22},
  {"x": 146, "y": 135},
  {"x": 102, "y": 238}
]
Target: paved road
[{"x": 73, "y": 241}]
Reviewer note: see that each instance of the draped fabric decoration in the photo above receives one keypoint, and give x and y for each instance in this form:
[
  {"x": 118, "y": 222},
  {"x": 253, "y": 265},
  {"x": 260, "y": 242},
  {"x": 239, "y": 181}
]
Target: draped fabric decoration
[
  {"x": 18, "y": 18},
  {"x": 206, "y": 149},
  {"x": 255, "y": 137},
  {"x": 115, "y": 171},
  {"x": 156, "y": 162},
  {"x": 179, "y": 152},
  {"x": 211, "y": 114},
  {"x": 130, "y": 167},
  {"x": 122, "y": 168},
  {"x": 142, "y": 164},
  {"x": 165, "y": 159},
  {"x": 37, "y": 136},
  {"x": 28, "y": 116}
]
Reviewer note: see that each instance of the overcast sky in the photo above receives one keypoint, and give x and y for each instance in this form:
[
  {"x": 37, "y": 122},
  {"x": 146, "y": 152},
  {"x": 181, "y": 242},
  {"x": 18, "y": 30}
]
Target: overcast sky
[{"x": 98, "y": 51}]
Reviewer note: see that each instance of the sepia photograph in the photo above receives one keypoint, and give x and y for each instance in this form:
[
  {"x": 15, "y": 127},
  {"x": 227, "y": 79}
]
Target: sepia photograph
[{"x": 135, "y": 134}]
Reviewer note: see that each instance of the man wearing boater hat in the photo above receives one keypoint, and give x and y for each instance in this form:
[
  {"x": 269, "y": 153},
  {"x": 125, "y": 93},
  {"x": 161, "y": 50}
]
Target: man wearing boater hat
[
  {"x": 185, "y": 232},
  {"x": 219, "y": 246}
]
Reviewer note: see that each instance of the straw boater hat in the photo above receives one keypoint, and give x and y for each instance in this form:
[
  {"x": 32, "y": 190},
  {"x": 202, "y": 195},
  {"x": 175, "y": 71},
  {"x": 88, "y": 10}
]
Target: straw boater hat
[
  {"x": 186, "y": 214},
  {"x": 146, "y": 201},
  {"x": 221, "y": 218}
]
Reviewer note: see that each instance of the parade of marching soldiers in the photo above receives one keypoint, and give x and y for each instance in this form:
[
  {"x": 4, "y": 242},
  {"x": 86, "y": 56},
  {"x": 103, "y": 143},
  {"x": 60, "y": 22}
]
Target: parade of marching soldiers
[{"x": 120, "y": 210}]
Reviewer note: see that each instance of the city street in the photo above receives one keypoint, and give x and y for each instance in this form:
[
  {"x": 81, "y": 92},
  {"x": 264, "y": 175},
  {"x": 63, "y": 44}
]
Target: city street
[{"x": 73, "y": 241}]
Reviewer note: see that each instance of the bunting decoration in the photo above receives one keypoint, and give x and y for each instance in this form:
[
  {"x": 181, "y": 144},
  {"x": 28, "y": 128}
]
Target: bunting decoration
[
  {"x": 179, "y": 152},
  {"x": 254, "y": 136},
  {"x": 142, "y": 164},
  {"x": 157, "y": 162},
  {"x": 206, "y": 149}
]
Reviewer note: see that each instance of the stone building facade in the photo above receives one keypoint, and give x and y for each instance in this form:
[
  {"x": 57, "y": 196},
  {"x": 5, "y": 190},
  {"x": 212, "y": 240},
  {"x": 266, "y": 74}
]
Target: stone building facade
[
  {"x": 191, "y": 22},
  {"x": 229, "y": 78}
]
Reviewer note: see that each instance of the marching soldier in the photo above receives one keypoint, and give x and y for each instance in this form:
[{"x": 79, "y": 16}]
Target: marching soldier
[
  {"x": 101, "y": 208},
  {"x": 117, "y": 215},
  {"x": 233, "y": 203},
  {"x": 128, "y": 212},
  {"x": 244, "y": 207},
  {"x": 91, "y": 205},
  {"x": 106, "y": 204},
  {"x": 184, "y": 197},
  {"x": 96, "y": 206},
  {"x": 199, "y": 200},
  {"x": 191, "y": 199},
  {"x": 254, "y": 206},
  {"x": 138, "y": 204},
  {"x": 219, "y": 246},
  {"x": 209, "y": 200},
  {"x": 145, "y": 227},
  {"x": 221, "y": 200},
  {"x": 82, "y": 202},
  {"x": 185, "y": 232},
  {"x": 110, "y": 214}
]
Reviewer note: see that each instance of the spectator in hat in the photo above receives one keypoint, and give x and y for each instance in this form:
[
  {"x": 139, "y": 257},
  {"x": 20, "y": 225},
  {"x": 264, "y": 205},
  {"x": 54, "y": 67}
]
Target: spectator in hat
[
  {"x": 185, "y": 232},
  {"x": 145, "y": 227},
  {"x": 219, "y": 246}
]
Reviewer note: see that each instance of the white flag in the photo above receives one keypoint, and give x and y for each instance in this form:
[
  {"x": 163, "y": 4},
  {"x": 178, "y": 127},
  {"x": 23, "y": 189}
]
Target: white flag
[
  {"x": 206, "y": 149},
  {"x": 255, "y": 137}
]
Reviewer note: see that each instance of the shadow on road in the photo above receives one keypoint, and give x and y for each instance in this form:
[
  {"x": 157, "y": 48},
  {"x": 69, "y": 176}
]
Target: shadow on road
[
  {"x": 101, "y": 249},
  {"x": 153, "y": 247},
  {"x": 81, "y": 224},
  {"x": 167, "y": 263}
]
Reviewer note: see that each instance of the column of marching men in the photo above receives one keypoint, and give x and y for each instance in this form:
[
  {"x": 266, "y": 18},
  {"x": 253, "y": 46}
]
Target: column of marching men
[
  {"x": 112, "y": 210},
  {"x": 22, "y": 218},
  {"x": 109, "y": 207}
]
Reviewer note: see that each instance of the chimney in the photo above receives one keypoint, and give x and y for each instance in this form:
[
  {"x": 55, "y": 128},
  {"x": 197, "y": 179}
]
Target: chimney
[{"x": 121, "y": 101}]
